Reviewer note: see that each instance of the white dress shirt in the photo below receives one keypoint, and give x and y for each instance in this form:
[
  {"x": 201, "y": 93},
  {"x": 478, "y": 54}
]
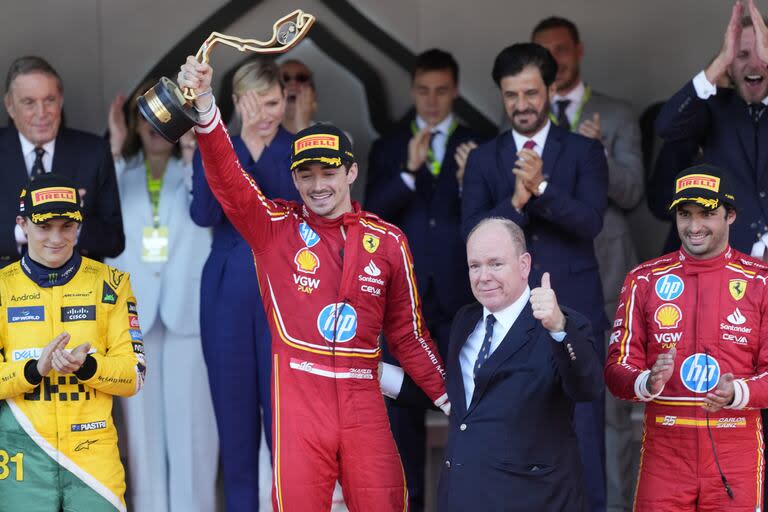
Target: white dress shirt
[
  {"x": 439, "y": 145},
  {"x": 540, "y": 138},
  {"x": 576, "y": 95},
  {"x": 468, "y": 355},
  {"x": 391, "y": 378},
  {"x": 28, "y": 150}
]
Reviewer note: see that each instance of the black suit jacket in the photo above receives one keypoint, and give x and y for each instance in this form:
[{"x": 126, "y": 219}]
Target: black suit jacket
[
  {"x": 731, "y": 140},
  {"x": 561, "y": 225},
  {"x": 430, "y": 216},
  {"x": 513, "y": 448},
  {"x": 87, "y": 160}
]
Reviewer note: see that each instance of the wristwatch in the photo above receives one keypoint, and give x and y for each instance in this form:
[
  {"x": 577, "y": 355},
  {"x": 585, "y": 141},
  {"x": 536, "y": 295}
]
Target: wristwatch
[{"x": 542, "y": 187}]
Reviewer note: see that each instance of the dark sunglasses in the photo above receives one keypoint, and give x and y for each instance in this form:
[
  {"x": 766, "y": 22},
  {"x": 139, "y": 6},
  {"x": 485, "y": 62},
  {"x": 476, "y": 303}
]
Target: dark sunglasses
[{"x": 301, "y": 78}]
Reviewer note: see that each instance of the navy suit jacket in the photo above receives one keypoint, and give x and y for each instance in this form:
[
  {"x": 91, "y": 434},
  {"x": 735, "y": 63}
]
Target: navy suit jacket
[
  {"x": 561, "y": 225},
  {"x": 87, "y": 160},
  {"x": 430, "y": 216},
  {"x": 723, "y": 128},
  {"x": 513, "y": 448}
]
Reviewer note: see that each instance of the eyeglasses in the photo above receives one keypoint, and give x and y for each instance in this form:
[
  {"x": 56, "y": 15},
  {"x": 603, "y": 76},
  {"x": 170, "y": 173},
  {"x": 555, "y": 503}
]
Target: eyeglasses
[{"x": 301, "y": 78}]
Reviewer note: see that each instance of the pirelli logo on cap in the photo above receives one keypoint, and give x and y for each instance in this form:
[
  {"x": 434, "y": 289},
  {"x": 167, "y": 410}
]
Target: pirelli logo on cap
[
  {"x": 704, "y": 181},
  {"x": 316, "y": 141},
  {"x": 54, "y": 194}
]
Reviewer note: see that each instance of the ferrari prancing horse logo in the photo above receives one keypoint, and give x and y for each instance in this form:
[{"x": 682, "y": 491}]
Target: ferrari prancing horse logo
[
  {"x": 737, "y": 287},
  {"x": 370, "y": 242}
]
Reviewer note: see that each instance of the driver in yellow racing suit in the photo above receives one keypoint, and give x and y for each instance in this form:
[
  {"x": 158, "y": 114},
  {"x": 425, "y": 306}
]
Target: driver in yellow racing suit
[{"x": 69, "y": 340}]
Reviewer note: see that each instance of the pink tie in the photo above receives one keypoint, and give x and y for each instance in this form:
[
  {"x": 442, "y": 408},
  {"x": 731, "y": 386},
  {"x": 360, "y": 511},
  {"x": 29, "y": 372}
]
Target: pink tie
[{"x": 529, "y": 144}]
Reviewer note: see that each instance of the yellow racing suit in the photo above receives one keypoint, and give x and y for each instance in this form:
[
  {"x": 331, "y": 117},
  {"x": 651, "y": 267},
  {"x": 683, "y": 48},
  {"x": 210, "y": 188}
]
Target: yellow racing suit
[{"x": 58, "y": 443}]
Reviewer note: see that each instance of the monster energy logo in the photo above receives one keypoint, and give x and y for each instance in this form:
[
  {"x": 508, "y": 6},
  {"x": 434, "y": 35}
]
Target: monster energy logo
[{"x": 52, "y": 277}]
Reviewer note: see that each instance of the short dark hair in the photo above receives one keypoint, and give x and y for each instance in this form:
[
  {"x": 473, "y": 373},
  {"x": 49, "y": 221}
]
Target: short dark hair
[
  {"x": 30, "y": 64},
  {"x": 513, "y": 59},
  {"x": 436, "y": 60},
  {"x": 557, "y": 22}
]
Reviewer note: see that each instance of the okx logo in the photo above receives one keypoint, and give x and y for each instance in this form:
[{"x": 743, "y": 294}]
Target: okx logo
[
  {"x": 700, "y": 372},
  {"x": 337, "y": 322}
]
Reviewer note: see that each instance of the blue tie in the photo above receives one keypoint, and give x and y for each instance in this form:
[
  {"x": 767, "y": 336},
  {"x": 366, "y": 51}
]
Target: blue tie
[{"x": 485, "y": 349}]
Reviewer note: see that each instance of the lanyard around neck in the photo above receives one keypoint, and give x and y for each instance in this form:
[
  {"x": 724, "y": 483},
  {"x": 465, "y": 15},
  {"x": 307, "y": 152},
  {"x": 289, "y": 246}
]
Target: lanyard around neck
[
  {"x": 579, "y": 111},
  {"x": 154, "y": 185},
  {"x": 432, "y": 164}
]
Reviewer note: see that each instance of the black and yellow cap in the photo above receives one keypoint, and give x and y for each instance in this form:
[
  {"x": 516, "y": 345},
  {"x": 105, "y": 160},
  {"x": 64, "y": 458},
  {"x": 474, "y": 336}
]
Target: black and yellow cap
[
  {"x": 50, "y": 196},
  {"x": 321, "y": 143},
  {"x": 705, "y": 185}
]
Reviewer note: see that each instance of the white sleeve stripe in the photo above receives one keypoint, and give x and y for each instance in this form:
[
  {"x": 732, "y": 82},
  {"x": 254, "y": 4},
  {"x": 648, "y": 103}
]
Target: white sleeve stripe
[
  {"x": 209, "y": 127},
  {"x": 641, "y": 387},
  {"x": 740, "y": 395}
]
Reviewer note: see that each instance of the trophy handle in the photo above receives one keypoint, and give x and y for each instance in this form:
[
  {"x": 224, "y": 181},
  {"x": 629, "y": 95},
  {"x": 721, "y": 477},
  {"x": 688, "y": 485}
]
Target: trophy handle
[{"x": 286, "y": 33}]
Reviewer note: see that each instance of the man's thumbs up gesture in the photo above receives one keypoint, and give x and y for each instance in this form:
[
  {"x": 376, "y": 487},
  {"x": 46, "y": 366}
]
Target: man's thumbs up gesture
[{"x": 545, "y": 308}]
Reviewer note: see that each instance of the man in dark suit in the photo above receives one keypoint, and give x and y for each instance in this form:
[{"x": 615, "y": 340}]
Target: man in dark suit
[
  {"x": 414, "y": 181},
  {"x": 516, "y": 364},
  {"x": 553, "y": 184},
  {"x": 730, "y": 125},
  {"x": 35, "y": 143}
]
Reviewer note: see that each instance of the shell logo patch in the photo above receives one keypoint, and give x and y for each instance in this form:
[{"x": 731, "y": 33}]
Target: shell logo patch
[
  {"x": 370, "y": 242},
  {"x": 306, "y": 261},
  {"x": 668, "y": 316},
  {"x": 737, "y": 287}
]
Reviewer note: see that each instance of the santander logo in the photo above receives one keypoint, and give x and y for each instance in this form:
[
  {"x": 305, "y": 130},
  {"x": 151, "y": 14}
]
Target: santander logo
[
  {"x": 372, "y": 270},
  {"x": 736, "y": 318}
]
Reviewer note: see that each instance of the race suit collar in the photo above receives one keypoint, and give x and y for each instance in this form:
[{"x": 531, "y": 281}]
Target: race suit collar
[
  {"x": 324, "y": 222},
  {"x": 693, "y": 265},
  {"x": 46, "y": 277}
]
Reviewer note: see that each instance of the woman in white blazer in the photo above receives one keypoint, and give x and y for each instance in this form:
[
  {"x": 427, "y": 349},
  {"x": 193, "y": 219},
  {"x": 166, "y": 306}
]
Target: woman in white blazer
[{"x": 172, "y": 444}]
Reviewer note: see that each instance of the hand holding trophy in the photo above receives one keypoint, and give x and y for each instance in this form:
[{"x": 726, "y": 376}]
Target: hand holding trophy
[{"x": 170, "y": 110}]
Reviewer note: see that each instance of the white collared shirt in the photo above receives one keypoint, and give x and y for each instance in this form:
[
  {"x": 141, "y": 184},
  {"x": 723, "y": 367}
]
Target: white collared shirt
[
  {"x": 28, "y": 151},
  {"x": 468, "y": 355},
  {"x": 576, "y": 95},
  {"x": 704, "y": 89},
  {"x": 439, "y": 144},
  {"x": 540, "y": 138},
  {"x": 440, "y": 139}
]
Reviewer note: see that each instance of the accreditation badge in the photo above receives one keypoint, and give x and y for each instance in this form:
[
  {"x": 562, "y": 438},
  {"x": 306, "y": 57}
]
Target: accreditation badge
[{"x": 154, "y": 244}]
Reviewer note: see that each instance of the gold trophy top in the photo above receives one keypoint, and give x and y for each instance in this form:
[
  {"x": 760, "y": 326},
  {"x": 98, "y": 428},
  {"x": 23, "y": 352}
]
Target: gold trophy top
[{"x": 286, "y": 33}]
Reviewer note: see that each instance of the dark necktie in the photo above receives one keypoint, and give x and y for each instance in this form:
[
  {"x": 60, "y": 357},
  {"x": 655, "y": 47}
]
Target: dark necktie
[
  {"x": 755, "y": 111},
  {"x": 562, "y": 119},
  {"x": 485, "y": 348},
  {"x": 529, "y": 144},
  {"x": 37, "y": 166}
]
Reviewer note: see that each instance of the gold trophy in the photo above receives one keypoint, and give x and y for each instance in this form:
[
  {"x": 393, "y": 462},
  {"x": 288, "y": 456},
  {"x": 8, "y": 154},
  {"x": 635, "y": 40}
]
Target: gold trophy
[{"x": 171, "y": 111}]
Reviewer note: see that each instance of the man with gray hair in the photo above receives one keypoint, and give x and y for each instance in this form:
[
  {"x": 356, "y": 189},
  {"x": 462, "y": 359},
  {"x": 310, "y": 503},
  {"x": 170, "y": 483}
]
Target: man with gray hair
[
  {"x": 37, "y": 143},
  {"x": 517, "y": 363}
]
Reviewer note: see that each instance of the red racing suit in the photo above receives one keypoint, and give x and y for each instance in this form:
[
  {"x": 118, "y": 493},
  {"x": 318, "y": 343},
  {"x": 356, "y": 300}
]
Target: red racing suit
[
  {"x": 330, "y": 286},
  {"x": 714, "y": 312}
]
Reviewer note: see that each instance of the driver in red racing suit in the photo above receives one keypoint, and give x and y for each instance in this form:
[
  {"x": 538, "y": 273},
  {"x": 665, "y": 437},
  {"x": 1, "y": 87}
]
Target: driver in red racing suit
[
  {"x": 332, "y": 277},
  {"x": 690, "y": 339}
]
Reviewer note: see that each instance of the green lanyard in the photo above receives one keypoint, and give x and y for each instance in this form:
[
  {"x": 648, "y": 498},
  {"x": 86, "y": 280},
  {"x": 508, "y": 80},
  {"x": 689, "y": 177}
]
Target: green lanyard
[
  {"x": 154, "y": 185},
  {"x": 579, "y": 111},
  {"x": 432, "y": 164}
]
